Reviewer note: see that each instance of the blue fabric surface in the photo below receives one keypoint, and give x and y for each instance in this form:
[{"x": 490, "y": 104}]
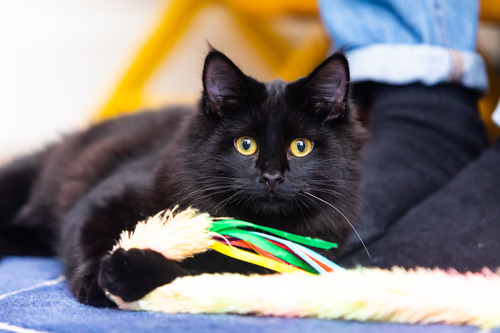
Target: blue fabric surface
[{"x": 34, "y": 295}]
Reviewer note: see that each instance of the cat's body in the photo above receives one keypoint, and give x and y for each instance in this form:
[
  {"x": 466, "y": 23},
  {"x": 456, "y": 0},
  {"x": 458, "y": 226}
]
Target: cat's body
[{"x": 284, "y": 155}]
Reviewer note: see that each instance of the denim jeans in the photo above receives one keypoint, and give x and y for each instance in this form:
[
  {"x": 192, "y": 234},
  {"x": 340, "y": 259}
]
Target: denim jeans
[{"x": 405, "y": 41}]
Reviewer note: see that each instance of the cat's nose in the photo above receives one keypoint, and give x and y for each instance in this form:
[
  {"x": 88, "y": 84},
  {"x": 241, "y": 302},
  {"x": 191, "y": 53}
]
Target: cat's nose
[{"x": 271, "y": 179}]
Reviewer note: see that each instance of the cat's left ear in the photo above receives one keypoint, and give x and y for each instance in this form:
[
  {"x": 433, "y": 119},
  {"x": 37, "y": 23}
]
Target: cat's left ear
[
  {"x": 223, "y": 83},
  {"x": 327, "y": 87}
]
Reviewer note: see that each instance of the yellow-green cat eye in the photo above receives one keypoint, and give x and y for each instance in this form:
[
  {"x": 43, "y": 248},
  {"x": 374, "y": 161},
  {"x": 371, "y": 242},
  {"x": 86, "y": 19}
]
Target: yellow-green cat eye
[
  {"x": 301, "y": 147},
  {"x": 245, "y": 145}
]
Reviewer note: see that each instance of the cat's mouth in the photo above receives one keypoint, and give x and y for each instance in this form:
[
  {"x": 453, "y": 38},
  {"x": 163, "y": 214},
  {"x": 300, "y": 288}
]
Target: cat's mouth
[
  {"x": 274, "y": 196},
  {"x": 272, "y": 204}
]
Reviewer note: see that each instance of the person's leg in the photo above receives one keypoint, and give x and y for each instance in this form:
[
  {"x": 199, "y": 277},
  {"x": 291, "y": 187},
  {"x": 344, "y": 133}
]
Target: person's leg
[
  {"x": 424, "y": 130},
  {"x": 420, "y": 138},
  {"x": 459, "y": 226}
]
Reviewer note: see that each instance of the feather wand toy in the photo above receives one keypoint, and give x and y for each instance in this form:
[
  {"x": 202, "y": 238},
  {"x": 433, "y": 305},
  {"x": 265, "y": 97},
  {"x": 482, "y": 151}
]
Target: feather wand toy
[
  {"x": 400, "y": 296},
  {"x": 183, "y": 234}
]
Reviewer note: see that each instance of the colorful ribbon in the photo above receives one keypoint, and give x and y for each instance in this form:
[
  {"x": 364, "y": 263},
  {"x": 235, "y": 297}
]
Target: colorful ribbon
[{"x": 271, "y": 248}]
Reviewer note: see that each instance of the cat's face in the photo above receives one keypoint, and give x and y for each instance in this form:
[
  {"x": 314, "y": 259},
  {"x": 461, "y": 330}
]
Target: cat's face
[{"x": 274, "y": 151}]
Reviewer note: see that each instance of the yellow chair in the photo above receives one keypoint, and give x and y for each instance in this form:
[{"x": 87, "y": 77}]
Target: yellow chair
[
  {"x": 287, "y": 59},
  {"x": 490, "y": 12}
]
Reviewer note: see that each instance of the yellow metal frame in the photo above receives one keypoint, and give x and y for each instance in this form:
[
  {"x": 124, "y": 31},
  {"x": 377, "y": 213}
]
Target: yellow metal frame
[
  {"x": 254, "y": 19},
  {"x": 490, "y": 12}
]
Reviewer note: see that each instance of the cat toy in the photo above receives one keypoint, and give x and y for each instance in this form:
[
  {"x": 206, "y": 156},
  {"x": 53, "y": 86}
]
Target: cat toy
[
  {"x": 183, "y": 234},
  {"x": 315, "y": 287}
]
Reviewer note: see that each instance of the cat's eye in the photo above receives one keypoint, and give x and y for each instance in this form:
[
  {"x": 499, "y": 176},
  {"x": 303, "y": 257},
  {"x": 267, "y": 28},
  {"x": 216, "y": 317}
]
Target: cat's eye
[
  {"x": 245, "y": 145},
  {"x": 301, "y": 147}
]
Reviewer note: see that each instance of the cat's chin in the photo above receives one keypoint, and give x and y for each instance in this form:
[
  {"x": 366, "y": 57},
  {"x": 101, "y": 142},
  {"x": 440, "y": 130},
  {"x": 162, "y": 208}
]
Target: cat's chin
[{"x": 273, "y": 206}]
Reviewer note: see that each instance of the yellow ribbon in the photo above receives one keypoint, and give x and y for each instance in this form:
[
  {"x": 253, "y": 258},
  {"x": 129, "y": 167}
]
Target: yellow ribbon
[{"x": 254, "y": 258}]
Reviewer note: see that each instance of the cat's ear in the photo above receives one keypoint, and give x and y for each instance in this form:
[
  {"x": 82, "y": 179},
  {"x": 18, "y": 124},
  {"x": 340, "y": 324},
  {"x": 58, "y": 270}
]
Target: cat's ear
[
  {"x": 327, "y": 87},
  {"x": 223, "y": 82}
]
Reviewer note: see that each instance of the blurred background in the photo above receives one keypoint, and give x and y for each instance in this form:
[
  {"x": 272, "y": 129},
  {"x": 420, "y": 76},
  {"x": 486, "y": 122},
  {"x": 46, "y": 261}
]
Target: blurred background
[{"x": 65, "y": 64}]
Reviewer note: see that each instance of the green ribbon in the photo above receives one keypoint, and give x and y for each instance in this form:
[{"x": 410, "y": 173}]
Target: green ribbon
[
  {"x": 266, "y": 245},
  {"x": 223, "y": 226}
]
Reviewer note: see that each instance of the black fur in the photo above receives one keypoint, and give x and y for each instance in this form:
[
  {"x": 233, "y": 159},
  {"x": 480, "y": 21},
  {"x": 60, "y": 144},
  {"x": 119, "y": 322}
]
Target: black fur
[{"x": 76, "y": 197}]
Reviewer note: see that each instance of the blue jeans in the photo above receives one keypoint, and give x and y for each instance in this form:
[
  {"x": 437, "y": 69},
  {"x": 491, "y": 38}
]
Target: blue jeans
[{"x": 402, "y": 41}]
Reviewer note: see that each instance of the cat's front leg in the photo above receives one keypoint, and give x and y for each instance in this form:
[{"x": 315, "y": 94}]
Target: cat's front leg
[
  {"x": 127, "y": 274},
  {"x": 84, "y": 285},
  {"x": 90, "y": 231},
  {"x": 134, "y": 273}
]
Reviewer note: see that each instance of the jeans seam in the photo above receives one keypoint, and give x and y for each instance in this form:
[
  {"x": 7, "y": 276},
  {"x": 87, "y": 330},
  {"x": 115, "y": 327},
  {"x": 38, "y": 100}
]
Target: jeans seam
[{"x": 440, "y": 18}]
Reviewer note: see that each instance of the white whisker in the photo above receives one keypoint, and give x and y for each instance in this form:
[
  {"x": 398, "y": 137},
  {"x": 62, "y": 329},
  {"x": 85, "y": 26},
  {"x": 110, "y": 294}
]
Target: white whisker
[
  {"x": 345, "y": 217},
  {"x": 228, "y": 199},
  {"x": 300, "y": 207}
]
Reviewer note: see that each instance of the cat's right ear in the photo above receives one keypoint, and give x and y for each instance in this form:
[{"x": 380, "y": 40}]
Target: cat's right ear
[
  {"x": 223, "y": 83},
  {"x": 326, "y": 89}
]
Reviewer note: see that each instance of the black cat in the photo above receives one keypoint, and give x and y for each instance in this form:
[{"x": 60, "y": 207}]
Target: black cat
[{"x": 285, "y": 155}]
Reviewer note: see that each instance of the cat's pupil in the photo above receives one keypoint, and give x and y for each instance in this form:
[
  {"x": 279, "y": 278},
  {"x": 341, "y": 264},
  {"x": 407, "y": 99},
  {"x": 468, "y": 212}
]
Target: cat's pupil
[
  {"x": 246, "y": 144},
  {"x": 301, "y": 146}
]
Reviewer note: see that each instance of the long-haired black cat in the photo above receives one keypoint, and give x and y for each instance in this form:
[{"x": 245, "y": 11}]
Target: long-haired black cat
[{"x": 285, "y": 155}]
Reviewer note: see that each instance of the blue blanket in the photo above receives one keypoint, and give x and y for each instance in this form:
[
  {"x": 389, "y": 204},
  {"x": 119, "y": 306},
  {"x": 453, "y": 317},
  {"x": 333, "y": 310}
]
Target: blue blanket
[{"x": 34, "y": 298}]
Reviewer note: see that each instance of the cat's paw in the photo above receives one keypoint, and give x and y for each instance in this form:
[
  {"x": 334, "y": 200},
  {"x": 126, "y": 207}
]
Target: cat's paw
[
  {"x": 87, "y": 291},
  {"x": 132, "y": 274}
]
